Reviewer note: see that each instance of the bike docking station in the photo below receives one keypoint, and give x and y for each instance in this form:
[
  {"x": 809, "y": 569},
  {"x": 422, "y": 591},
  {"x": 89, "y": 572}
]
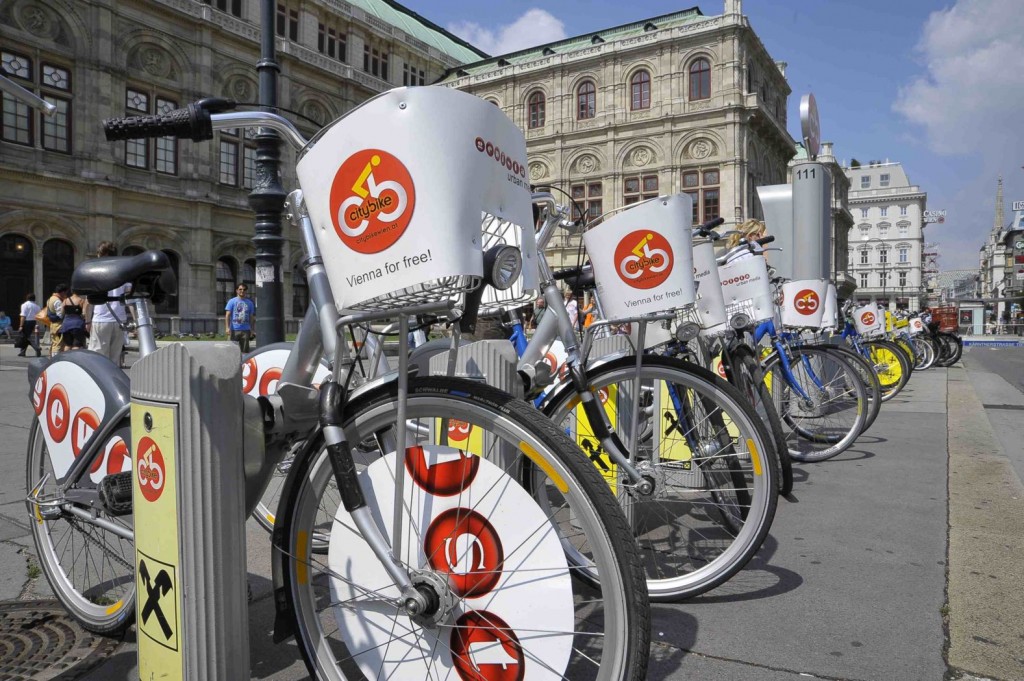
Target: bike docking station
[{"x": 197, "y": 440}]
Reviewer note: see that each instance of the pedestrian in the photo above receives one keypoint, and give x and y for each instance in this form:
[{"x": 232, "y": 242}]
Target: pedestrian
[
  {"x": 539, "y": 308},
  {"x": 573, "y": 308},
  {"x": 29, "y": 310},
  {"x": 109, "y": 320},
  {"x": 55, "y": 315},
  {"x": 72, "y": 329},
  {"x": 5, "y": 325},
  {"x": 239, "y": 317}
]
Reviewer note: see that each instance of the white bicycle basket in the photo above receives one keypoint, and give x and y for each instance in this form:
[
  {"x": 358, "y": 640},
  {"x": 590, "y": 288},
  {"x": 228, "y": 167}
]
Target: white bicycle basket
[
  {"x": 868, "y": 319},
  {"x": 803, "y": 303},
  {"x": 396, "y": 190},
  {"x": 830, "y": 317},
  {"x": 643, "y": 257},
  {"x": 710, "y": 300},
  {"x": 747, "y": 288}
]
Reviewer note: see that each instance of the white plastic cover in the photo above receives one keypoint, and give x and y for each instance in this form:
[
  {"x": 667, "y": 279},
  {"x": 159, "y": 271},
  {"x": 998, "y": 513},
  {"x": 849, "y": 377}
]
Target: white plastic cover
[
  {"x": 397, "y": 187},
  {"x": 710, "y": 300},
  {"x": 745, "y": 281},
  {"x": 803, "y": 302},
  {"x": 830, "y": 317},
  {"x": 867, "y": 319},
  {"x": 643, "y": 257}
]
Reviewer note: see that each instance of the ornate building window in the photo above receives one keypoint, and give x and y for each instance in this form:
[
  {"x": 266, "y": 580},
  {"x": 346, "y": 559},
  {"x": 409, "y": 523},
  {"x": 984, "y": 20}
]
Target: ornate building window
[
  {"x": 703, "y": 188},
  {"x": 233, "y": 7},
  {"x": 413, "y": 76},
  {"x": 902, "y": 280},
  {"x": 700, "y": 79},
  {"x": 903, "y": 228},
  {"x": 587, "y": 200},
  {"x": 640, "y": 88},
  {"x": 225, "y": 282},
  {"x": 535, "y": 106},
  {"x": 237, "y": 158},
  {"x": 903, "y": 253},
  {"x": 636, "y": 188},
  {"x": 332, "y": 42},
  {"x": 375, "y": 62},
  {"x": 883, "y": 256},
  {"x": 884, "y": 211},
  {"x": 863, "y": 279},
  {"x": 161, "y": 154},
  {"x": 287, "y": 22},
  {"x": 865, "y": 256},
  {"x": 586, "y": 100},
  {"x": 20, "y": 123}
]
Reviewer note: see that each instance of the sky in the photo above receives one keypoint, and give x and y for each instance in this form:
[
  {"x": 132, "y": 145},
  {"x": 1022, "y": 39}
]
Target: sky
[{"x": 937, "y": 85}]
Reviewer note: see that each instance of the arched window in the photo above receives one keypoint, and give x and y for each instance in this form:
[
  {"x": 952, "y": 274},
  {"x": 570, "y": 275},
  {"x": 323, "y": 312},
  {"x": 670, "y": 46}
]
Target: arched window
[
  {"x": 58, "y": 264},
  {"x": 225, "y": 282},
  {"x": 536, "y": 108},
  {"x": 169, "y": 305},
  {"x": 249, "y": 274},
  {"x": 700, "y": 79},
  {"x": 300, "y": 292},
  {"x": 586, "y": 100},
  {"x": 16, "y": 274},
  {"x": 640, "y": 85}
]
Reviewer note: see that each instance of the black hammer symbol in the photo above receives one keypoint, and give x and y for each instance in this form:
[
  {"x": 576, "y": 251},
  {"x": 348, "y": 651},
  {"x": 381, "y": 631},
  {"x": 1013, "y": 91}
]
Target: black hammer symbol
[{"x": 154, "y": 590}]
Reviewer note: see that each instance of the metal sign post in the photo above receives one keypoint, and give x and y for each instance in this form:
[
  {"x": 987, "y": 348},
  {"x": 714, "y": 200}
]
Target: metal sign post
[{"x": 188, "y": 498}]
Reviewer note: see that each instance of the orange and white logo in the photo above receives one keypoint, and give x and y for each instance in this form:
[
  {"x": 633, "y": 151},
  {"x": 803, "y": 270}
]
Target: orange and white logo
[
  {"x": 83, "y": 426},
  {"x": 458, "y": 431},
  {"x": 485, "y": 648},
  {"x": 150, "y": 469},
  {"x": 39, "y": 394},
  {"x": 643, "y": 259},
  {"x": 868, "y": 319},
  {"x": 249, "y": 371},
  {"x": 58, "y": 420},
  {"x": 269, "y": 381},
  {"x": 443, "y": 472},
  {"x": 464, "y": 544},
  {"x": 372, "y": 201},
  {"x": 807, "y": 302}
]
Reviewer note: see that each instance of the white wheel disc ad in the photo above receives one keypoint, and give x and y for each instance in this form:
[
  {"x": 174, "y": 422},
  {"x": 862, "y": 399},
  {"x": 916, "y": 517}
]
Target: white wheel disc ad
[{"x": 513, "y": 614}]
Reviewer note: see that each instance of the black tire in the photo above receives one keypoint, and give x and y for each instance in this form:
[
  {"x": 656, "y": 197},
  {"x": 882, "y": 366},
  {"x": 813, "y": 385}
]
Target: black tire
[
  {"x": 831, "y": 420},
  {"x": 890, "y": 364},
  {"x": 953, "y": 348},
  {"x": 867, "y": 374},
  {"x": 90, "y": 569},
  {"x": 711, "y": 510},
  {"x": 592, "y": 519},
  {"x": 745, "y": 373}
]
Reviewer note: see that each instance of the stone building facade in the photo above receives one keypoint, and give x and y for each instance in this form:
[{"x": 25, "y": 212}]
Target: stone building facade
[
  {"x": 674, "y": 103},
  {"x": 887, "y": 240},
  {"x": 63, "y": 188}
]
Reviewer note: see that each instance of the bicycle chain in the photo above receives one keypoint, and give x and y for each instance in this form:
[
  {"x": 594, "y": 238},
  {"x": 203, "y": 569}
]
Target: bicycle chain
[{"x": 103, "y": 547}]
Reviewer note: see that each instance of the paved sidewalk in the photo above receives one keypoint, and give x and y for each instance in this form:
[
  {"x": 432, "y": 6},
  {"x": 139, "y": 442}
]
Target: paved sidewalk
[{"x": 851, "y": 583}]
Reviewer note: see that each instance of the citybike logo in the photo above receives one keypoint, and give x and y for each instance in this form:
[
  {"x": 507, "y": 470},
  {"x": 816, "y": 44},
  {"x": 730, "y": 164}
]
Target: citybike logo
[
  {"x": 151, "y": 469},
  {"x": 39, "y": 394},
  {"x": 643, "y": 259},
  {"x": 736, "y": 280},
  {"x": 83, "y": 426},
  {"x": 58, "y": 420},
  {"x": 485, "y": 648},
  {"x": 807, "y": 302},
  {"x": 447, "y": 473},
  {"x": 117, "y": 455},
  {"x": 867, "y": 319},
  {"x": 268, "y": 381},
  {"x": 503, "y": 159},
  {"x": 249, "y": 373},
  {"x": 458, "y": 431},
  {"x": 464, "y": 544},
  {"x": 372, "y": 201}
]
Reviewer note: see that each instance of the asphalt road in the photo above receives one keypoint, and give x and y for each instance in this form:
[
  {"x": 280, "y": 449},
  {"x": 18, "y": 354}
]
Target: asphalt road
[{"x": 851, "y": 583}]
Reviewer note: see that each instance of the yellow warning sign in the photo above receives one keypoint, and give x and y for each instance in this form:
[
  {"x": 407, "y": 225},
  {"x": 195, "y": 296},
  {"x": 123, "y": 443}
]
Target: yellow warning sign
[
  {"x": 675, "y": 426},
  {"x": 155, "y": 505},
  {"x": 588, "y": 442}
]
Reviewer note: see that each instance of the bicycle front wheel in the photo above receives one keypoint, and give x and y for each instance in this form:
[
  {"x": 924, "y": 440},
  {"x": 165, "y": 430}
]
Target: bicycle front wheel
[
  {"x": 508, "y": 605},
  {"x": 820, "y": 398},
  {"x": 710, "y": 460},
  {"x": 88, "y": 557}
]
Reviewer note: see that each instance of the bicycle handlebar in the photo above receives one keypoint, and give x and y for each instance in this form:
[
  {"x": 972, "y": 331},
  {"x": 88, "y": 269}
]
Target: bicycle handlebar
[
  {"x": 765, "y": 240},
  {"x": 569, "y": 272},
  {"x": 704, "y": 229}
]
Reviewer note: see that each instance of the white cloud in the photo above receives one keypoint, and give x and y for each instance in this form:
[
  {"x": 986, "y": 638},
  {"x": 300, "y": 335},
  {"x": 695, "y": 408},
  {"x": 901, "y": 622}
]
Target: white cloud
[
  {"x": 534, "y": 27},
  {"x": 971, "y": 91},
  {"x": 968, "y": 102}
]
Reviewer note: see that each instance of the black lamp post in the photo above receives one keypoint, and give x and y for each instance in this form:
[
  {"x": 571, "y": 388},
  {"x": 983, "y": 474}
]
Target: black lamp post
[{"x": 268, "y": 195}]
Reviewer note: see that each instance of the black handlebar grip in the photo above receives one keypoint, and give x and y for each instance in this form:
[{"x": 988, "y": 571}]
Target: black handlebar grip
[
  {"x": 567, "y": 273},
  {"x": 765, "y": 240},
  {"x": 711, "y": 224},
  {"x": 192, "y": 122}
]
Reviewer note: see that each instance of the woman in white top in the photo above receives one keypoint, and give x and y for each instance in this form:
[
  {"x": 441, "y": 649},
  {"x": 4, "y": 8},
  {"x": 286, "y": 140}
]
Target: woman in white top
[
  {"x": 749, "y": 231},
  {"x": 106, "y": 332}
]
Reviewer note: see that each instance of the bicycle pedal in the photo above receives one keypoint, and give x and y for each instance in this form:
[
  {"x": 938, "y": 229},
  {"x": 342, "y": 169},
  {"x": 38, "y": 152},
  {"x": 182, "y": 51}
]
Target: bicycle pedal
[{"x": 116, "y": 493}]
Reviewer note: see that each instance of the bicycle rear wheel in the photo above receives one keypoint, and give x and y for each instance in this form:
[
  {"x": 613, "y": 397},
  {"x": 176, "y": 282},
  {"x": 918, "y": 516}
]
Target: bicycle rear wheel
[
  {"x": 90, "y": 568},
  {"x": 953, "y": 348},
  {"x": 509, "y": 604},
  {"x": 708, "y": 455},
  {"x": 890, "y": 365},
  {"x": 867, "y": 376},
  {"x": 821, "y": 399}
]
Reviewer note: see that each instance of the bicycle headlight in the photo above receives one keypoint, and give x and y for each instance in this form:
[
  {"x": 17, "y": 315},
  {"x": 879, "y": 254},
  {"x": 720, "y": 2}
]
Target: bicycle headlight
[
  {"x": 687, "y": 331},
  {"x": 740, "y": 320},
  {"x": 502, "y": 266}
]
